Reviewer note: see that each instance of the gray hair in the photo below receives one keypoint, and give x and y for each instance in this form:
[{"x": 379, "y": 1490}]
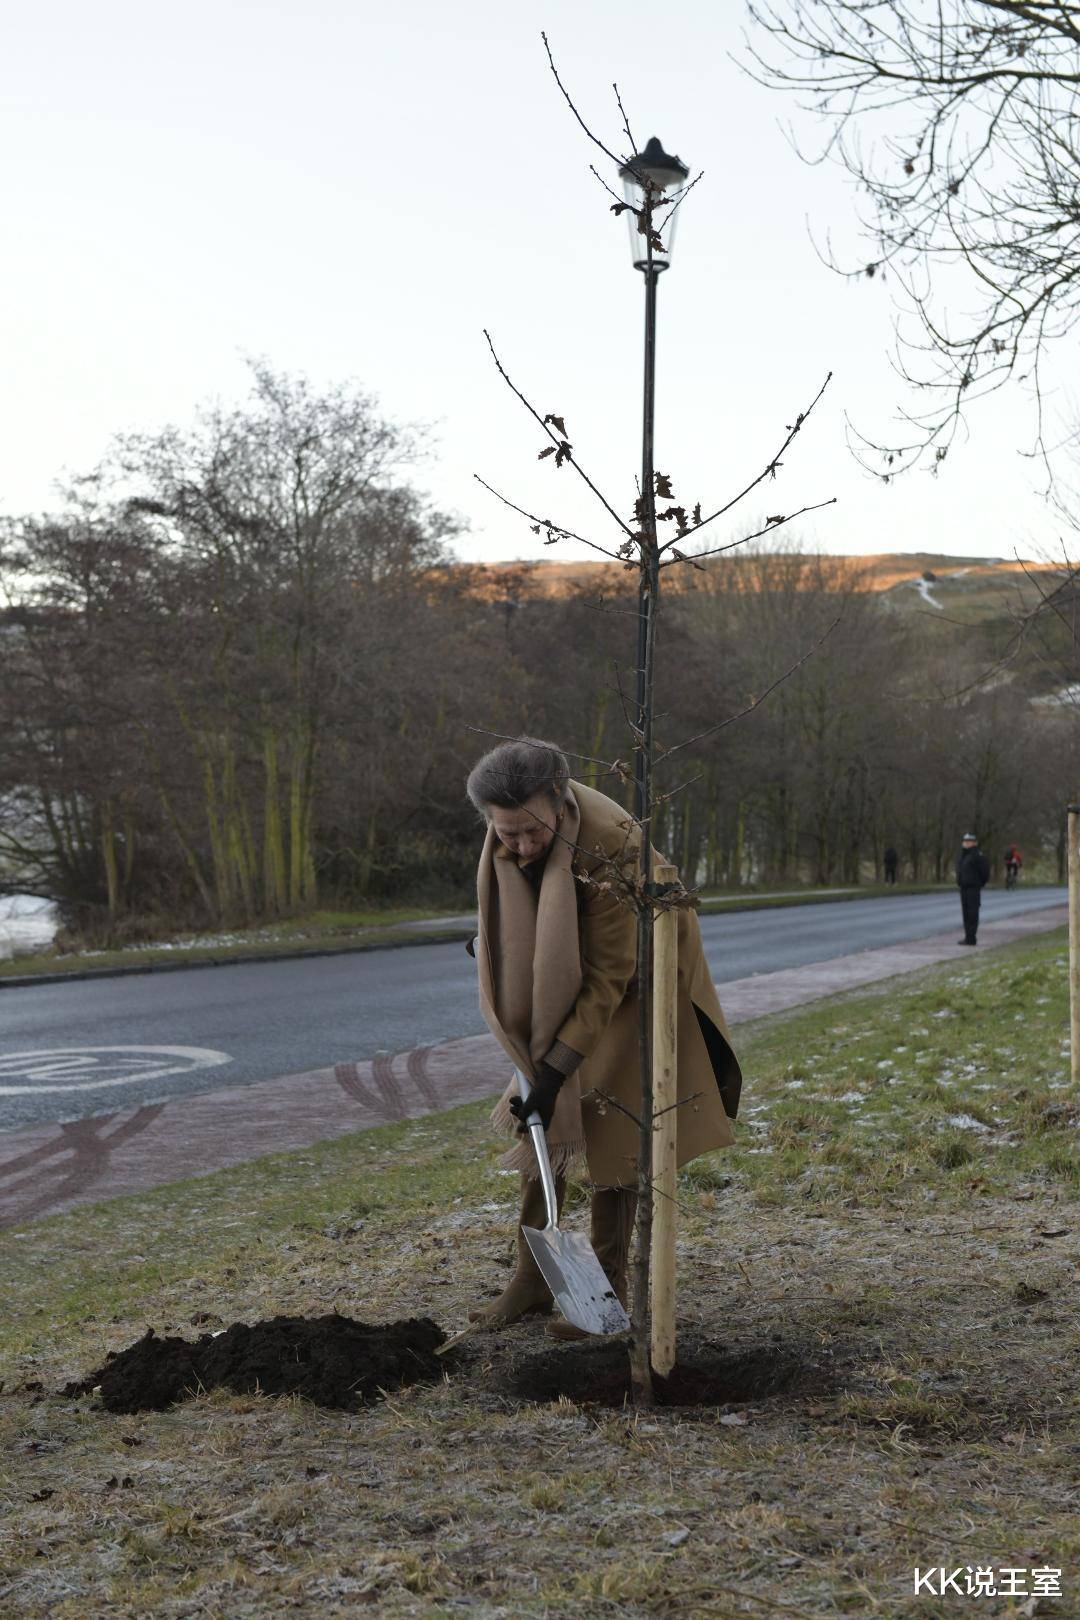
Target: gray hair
[{"x": 515, "y": 772}]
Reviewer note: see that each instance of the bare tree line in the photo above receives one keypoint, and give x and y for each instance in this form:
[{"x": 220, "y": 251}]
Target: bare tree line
[
  {"x": 241, "y": 667},
  {"x": 889, "y": 735},
  {"x": 214, "y": 677}
]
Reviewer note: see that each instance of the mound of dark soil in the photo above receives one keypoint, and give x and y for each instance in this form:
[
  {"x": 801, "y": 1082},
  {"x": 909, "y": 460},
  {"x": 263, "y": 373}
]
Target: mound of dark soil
[
  {"x": 597, "y": 1371},
  {"x": 332, "y": 1361},
  {"x": 149, "y": 1375}
]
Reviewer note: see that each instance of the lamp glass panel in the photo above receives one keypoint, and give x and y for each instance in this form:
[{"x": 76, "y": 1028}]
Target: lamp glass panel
[{"x": 664, "y": 218}]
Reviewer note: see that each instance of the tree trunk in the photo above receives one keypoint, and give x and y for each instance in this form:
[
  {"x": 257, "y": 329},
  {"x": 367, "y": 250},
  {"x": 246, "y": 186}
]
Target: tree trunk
[
  {"x": 738, "y": 852},
  {"x": 641, "y": 1320},
  {"x": 218, "y": 853},
  {"x": 108, "y": 851},
  {"x": 367, "y": 860},
  {"x": 275, "y": 892},
  {"x": 597, "y": 741},
  {"x": 129, "y": 849}
]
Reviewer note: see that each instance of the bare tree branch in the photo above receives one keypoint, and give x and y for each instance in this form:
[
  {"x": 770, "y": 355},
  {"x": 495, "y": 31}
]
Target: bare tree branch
[
  {"x": 558, "y": 442},
  {"x": 959, "y": 120},
  {"x": 555, "y": 531},
  {"x": 770, "y": 469},
  {"x": 756, "y": 703},
  {"x": 771, "y": 526}
]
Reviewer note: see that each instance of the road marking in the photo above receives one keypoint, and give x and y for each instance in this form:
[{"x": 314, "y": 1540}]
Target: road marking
[{"x": 93, "y": 1068}]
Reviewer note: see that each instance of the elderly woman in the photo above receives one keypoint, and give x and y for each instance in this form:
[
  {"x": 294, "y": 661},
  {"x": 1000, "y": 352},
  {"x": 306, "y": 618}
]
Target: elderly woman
[{"x": 556, "y": 956}]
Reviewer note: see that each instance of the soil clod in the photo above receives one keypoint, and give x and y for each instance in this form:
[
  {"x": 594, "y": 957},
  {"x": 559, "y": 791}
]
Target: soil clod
[{"x": 332, "y": 1361}]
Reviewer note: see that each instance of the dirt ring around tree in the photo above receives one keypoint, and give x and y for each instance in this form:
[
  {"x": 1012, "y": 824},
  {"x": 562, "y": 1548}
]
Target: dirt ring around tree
[{"x": 597, "y": 1372}]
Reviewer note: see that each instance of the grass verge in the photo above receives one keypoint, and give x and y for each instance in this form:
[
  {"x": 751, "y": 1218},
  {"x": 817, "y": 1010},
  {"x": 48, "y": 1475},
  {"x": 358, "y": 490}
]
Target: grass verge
[
  {"x": 319, "y": 933},
  {"x": 360, "y": 931},
  {"x": 899, "y": 1219}
]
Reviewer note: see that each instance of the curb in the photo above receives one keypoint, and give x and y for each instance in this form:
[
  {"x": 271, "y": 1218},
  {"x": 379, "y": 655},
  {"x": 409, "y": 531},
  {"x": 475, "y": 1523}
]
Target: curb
[
  {"x": 23, "y": 981},
  {"x": 766, "y": 902},
  {"x": 447, "y": 936}
]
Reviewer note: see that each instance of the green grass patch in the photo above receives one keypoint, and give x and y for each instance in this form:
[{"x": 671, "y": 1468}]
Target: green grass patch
[
  {"x": 930, "y": 1089},
  {"x": 248, "y": 1229},
  {"x": 941, "y": 1086},
  {"x": 898, "y": 1218}
]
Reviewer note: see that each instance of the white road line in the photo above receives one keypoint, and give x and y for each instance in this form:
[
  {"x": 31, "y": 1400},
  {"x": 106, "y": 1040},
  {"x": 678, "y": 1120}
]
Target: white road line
[{"x": 94, "y": 1068}]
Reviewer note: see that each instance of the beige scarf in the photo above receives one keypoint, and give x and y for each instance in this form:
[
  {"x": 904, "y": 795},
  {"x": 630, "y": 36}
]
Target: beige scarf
[{"x": 529, "y": 965}]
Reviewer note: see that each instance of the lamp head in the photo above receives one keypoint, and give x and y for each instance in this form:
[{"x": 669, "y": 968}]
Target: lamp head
[{"x": 657, "y": 175}]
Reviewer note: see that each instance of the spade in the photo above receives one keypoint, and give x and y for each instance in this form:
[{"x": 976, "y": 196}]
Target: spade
[{"x": 567, "y": 1259}]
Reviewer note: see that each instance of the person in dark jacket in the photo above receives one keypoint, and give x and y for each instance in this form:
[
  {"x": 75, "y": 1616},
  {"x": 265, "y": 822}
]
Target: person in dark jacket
[
  {"x": 892, "y": 861},
  {"x": 972, "y": 871}
]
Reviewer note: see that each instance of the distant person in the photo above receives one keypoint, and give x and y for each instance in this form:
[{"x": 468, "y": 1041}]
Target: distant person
[
  {"x": 892, "y": 861},
  {"x": 1013, "y": 862},
  {"x": 972, "y": 871}
]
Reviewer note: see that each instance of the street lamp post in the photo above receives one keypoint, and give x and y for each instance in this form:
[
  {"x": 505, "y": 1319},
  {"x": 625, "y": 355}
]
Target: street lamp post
[
  {"x": 652, "y": 178},
  {"x": 648, "y": 180}
]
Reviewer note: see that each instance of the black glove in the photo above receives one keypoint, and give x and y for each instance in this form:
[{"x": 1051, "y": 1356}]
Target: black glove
[{"x": 541, "y": 1099}]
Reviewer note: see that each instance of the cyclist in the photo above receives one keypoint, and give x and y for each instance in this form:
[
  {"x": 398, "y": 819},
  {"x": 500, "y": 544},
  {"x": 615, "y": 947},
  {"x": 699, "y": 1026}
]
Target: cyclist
[{"x": 1013, "y": 862}]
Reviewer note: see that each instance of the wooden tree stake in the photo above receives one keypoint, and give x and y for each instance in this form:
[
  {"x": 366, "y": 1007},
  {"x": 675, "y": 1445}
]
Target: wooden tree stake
[
  {"x": 1073, "y": 836},
  {"x": 665, "y": 1128}
]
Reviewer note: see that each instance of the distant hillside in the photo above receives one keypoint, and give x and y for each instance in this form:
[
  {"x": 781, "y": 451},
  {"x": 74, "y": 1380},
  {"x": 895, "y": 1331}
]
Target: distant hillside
[{"x": 963, "y": 587}]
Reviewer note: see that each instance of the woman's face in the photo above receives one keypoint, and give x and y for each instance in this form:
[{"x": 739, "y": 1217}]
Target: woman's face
[{"x": 528, "y": 831}]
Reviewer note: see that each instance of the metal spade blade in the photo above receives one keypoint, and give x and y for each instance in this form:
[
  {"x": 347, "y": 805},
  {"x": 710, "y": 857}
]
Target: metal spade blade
[{"x": 567, "y": 1260}]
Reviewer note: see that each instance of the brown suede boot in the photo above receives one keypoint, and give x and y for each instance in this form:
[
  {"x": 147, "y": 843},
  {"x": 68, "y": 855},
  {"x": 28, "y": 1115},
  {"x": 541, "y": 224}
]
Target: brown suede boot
[
  {"x": 526, "y": 1292},
  {"x": 613, "y": 1211}
]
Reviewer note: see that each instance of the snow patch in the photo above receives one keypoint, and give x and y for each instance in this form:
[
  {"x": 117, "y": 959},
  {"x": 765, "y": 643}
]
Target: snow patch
[
  {"x": 1065, "y": 697},
  {"x": 26, "y": 923}
]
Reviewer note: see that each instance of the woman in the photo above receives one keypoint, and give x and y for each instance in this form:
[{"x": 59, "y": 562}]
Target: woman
[{"x": 556, "y": 956}]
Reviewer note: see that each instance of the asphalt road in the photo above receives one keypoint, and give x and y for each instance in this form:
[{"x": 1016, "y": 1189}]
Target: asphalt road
[{"x": 91, "y": 1046}]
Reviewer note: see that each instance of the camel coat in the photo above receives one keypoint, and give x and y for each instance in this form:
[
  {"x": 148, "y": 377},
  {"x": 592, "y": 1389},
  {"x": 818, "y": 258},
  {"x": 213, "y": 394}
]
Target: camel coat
[{"x": 602, "y": 1024}]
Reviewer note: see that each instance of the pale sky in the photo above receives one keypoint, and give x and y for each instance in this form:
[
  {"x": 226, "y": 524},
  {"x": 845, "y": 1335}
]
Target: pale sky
[{"x": 356, "y": 190}]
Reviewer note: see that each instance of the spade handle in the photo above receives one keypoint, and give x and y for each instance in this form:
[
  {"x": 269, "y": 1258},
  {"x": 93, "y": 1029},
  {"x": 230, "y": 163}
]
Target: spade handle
[{"x": 539, "y": 1142}]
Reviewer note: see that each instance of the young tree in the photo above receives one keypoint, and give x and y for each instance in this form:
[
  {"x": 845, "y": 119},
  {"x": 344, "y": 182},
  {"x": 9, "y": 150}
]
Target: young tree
[{"x": 645, "y": 548}]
